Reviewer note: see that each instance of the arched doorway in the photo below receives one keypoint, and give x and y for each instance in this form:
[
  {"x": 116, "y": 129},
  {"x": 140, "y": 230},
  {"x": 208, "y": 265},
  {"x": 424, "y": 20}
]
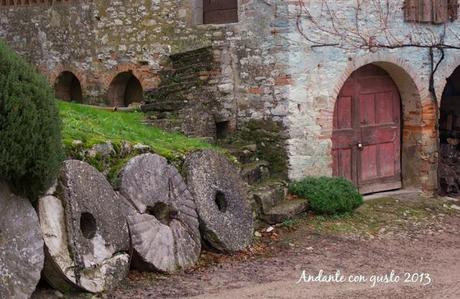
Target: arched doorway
[
  {"x": 366, "y": 138},
  {"x": 67, "y": 87},
  {"x": 125, "y": 89},
  {"x": 449, "y": 136}
]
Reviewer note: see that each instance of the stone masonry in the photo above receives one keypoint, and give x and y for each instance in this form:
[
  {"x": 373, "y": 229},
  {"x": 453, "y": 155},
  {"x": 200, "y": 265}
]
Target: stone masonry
[{"x": 266, "y": 66}]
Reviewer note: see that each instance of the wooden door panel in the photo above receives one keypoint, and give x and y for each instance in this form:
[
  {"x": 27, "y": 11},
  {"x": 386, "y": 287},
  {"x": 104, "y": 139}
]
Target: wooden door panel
[
  {"x": 343, "y": 139},
  {"x": 376, "y": 135},
  {"x": 368, "y": 163},
  {"x": 219, "y": 4},
  {"x": 384, "y": 108},
  {"x": 367, "y": 109},
  {"x": 343, "y": 161},
  {"x": 220, "y": 11},
  {"x": 366, "y": 136},
  {"x": 387, "y": 160},
  {"x": 343, "y": 117}
]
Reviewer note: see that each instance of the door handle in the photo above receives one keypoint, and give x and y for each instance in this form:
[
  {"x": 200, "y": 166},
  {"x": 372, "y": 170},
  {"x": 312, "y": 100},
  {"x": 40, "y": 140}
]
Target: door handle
[{"x": 359, "y": 145}]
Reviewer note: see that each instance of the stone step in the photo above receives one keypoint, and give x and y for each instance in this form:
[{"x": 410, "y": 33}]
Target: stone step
[
  {"x": 268, "y": 195},
  {"x": 245, "y": 154},
  {"x": 164, "y": 106},
  {"x": 285, "y": 210},
  {"x": 202, "y": 66},
  {"x": 170, "y": 88},
  {"x": 255, "y": 172},
  {"x": 190, "y": 77},
  {"x": 190, "y": 57}
]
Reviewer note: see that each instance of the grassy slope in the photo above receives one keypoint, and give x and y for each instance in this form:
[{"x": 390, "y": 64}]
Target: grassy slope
[{"x": 93, "y": 126}]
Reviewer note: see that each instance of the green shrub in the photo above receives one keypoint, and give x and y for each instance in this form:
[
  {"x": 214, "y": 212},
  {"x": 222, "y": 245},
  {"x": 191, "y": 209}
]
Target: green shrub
[
  {"x": 328, "y": 195},
  {"x": 30, "y": 138}
]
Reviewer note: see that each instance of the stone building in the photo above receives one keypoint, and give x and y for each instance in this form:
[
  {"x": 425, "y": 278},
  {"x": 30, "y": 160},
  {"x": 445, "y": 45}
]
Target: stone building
[{"x": 344, "y": 87}]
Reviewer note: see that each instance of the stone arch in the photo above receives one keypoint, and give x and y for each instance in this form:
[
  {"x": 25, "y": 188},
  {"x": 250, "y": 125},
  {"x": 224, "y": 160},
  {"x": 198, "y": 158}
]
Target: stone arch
[
  {"x": 67, "y": 87},
  {"x": 418, "y": 144},
  {"x": 125, "y": 89}
]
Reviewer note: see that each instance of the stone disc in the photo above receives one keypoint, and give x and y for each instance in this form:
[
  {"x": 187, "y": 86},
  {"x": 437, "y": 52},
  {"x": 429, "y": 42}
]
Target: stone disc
[
  {"x": 224, "y": 212},
  {"x": 85, "y": 231},
  {"x": 163, "y": 222},
  {"x": 21, "y": 246}
]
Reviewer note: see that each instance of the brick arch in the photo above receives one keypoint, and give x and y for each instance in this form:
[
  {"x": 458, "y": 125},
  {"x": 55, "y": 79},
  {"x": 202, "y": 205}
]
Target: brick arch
[
  {"x": 148, "y": 78},
  {"x": 124, "y": 89},
  {"x": 418, "y": 118},
  {"x": 53, "y": 74},
  {"x": 67, "y": 87}
]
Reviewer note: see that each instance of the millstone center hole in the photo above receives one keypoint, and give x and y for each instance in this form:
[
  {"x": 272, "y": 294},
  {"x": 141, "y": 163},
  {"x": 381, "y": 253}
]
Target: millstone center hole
[
  {"x": 162, "y": 212},
  {"x": 88, "y": 225},
  {"x": 221, "y": 201}
]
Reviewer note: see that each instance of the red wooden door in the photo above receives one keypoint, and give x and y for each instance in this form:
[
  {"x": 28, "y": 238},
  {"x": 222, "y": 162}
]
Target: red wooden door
[
  {"x": 220, "y": 11},
  {"x": 366, "y": 139}
]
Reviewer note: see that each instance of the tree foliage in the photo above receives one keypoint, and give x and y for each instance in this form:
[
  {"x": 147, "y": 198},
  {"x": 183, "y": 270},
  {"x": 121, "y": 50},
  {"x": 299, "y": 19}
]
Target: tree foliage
[{"x": 30, "y": 137}]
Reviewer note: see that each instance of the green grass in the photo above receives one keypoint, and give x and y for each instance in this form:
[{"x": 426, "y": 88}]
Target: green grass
[{"x": 93, "y": 126}]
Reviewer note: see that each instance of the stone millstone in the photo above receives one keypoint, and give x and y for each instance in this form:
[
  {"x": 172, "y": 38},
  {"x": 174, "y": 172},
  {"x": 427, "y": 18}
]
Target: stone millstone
[
  {"x": 163, "y": 221},
  {"x": 21, "y": 246},
  {"x": 85, "y": 231},
  {"x": 220, "y": 195}
]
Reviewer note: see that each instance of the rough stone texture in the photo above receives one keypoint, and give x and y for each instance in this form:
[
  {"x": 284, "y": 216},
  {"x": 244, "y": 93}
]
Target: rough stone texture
[
  {"x": 225, "y": 216},
  {"x": 97, "y": 40},
  {"x": 163, "y": 220},
  {"x": 268, "y": 196},
  {"x": 285, "y": 210},
  {"x": 255, "y": 172},
  {"x": 21, "y": 246},
  {"x": 265, "y": 69},
  {"x": 85, "y": 231}
]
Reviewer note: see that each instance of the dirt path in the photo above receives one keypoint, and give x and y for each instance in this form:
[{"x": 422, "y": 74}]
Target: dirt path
[{"x": 404, "y": 235}]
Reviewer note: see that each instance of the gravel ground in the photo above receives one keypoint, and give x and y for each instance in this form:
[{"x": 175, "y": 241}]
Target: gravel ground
[{"x": 409, "y": 235}]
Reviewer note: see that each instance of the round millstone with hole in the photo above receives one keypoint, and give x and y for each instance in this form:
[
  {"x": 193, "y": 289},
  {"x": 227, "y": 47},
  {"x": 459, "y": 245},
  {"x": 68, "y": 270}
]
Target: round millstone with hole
[
  {"x": 85, "y": 231},
  {"x": 220, "y": 195},
  {"x": 163, "y": 221},
  {"x": 21, "y": 246}
]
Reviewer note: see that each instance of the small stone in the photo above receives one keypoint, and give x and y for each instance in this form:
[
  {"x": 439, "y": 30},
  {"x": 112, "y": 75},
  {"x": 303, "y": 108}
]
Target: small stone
[
  {"x": 77, "y": 143},
  {"x": 257, "y": 234},
  {"x": 225, "y": 88},
  {"x": 142, "y": 148},
  {"x": 309, "y": 248},
  {"x": 455, "y": 207},
  {"x": 58, "y": 294},
  {"x": 251, "y": 147},
  {"x": 103, "y": 150},
  {"x": 125, "y": 149},
  {"x": 269, "y": 229}
]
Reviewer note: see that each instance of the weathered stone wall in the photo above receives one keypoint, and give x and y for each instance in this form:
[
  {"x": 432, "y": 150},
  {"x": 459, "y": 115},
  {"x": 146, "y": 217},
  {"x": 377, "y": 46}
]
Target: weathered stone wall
[
  {"x": 97, "y": 40},
  {"x": 318, "y": 73},
  {"x": 266, "y": 70}
]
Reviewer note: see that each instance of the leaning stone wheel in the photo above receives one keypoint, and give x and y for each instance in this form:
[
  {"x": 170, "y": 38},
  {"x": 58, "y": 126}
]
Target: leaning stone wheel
[
  {"x": 21, "y": 246},
  {"x": 85, "y": 231},
  {"x": 163, "y": 220},
  {"x": 221, "y": 198}
]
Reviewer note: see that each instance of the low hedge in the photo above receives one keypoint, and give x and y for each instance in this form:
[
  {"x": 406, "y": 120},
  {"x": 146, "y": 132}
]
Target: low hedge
[{"x": 328, "y": 195}]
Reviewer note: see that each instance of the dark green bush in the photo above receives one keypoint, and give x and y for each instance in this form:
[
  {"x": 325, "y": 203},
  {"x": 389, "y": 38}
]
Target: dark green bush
[
  {"x": 328, "y": 195},
  {"x": 30, "y": 138}
]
